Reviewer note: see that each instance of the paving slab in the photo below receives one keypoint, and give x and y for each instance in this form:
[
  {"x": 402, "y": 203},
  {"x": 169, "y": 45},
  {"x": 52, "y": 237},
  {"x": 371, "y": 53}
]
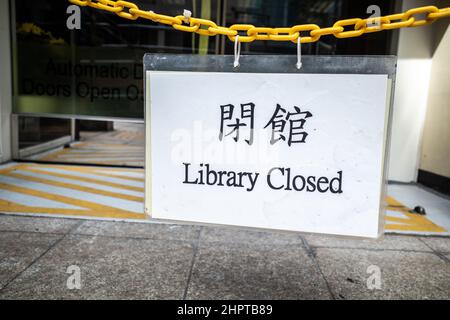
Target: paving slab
[
  {"x": 255, "y": 271},
  {"x": 19, "y": 250},
  {"x": 242, "y": 235},
  {"x": 155, "y": 231},
  {"x": 35, "y": 224},
  {"x": 386, "y": 242},
  {"x": 439, "y": 244},
  {"x": 403, "y": 275},
  {"x": 109, "y": 269}
]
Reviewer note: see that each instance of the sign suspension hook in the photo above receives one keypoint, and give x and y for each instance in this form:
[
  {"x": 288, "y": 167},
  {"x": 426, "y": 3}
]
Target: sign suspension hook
[
  {"x": 237, "y": 51},
  {"x": 299, "y": 53}
]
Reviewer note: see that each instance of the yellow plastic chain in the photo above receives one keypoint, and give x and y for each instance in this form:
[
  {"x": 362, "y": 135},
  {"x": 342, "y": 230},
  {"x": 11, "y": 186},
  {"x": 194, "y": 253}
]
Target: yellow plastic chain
[{"x": 250, "y": 33}]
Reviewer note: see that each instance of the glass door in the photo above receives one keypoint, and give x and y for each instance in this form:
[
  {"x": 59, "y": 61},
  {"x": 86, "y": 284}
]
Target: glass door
[{"x": 78, "y": 94}]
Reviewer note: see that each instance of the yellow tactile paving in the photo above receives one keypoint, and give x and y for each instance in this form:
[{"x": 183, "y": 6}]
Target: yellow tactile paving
[{"x": 123, "y": 190}]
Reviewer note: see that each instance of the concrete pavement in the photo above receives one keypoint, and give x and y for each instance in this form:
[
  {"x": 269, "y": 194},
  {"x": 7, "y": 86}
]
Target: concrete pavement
[{"x": 119, "y": 260}]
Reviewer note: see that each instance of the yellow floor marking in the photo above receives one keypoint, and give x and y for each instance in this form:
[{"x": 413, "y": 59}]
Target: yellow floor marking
[
  {"x": 399, "y": 220},
  {"x": 90, "y": 209},
  {"x": 113, "y": 147},
  {"x": 11, "y": 207},
  {"x": 102, "y": 150},
  {"x": 105, "y": 160},
  {"x": 120, "y": 177},
  {"x": 102, "y": 154},
  {"x": 84, "y": 179},
  {"x": 99, "y": 173},
  {"x": 76, "y": 187},
  {"x": 411, "y": 222},
  {"x": 108, "y": 145},
  {"x": 394, "y": 203},
  {"x": 56, "y": 154},
  {"x": 58, "y": 198},
  {"x": 129, "y": 162},
  {"x": 91, "y": 169}
]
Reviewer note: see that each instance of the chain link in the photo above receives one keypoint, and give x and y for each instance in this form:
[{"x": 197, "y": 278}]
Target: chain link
[{"x": 250, "y": 33}]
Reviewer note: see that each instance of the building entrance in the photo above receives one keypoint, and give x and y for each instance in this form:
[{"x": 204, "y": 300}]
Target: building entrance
[{"x": 78, "y": 93}]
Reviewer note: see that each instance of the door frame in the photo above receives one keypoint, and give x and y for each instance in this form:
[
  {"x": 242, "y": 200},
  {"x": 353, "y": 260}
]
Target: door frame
[{"x": 5, "y": 81}]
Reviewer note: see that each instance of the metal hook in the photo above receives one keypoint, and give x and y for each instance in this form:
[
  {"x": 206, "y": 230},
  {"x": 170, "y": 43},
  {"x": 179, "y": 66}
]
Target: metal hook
[
  {"x": 237, "y": 51},
  {"x": 299, "y": 53}
]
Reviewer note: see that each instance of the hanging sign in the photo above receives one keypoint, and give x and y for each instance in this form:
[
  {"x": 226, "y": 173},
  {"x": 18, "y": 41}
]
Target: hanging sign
[{"x": 301, "y": 151}]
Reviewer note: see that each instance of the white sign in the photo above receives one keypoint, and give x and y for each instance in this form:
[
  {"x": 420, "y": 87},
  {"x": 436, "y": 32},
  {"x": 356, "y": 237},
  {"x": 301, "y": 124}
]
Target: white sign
[{"x": 301, "y": 152}]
